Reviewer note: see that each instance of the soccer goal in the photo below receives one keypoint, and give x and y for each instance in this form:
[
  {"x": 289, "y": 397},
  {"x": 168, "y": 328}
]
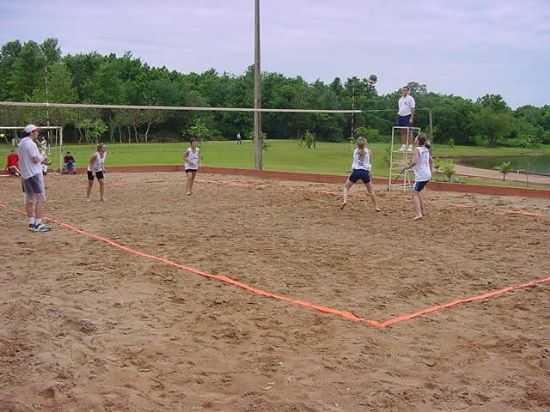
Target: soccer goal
[{"x": 51, "y": 140}]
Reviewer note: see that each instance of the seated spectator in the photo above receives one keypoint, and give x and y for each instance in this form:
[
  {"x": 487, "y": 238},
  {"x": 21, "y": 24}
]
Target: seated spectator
[
  {"x": 12, "y": 163},
  {"x": 69, "y": 164}
]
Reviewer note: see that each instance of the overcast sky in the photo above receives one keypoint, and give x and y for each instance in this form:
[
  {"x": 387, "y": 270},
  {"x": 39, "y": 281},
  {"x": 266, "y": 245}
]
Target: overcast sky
[{"x": 464, "y": 47}]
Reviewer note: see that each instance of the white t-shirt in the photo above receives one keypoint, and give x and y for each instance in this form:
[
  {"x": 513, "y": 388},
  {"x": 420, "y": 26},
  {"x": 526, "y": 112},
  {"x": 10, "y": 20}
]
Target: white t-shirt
[
  {"x": 192, "y": 159},
  {"x": 422, "y": 170},
  {"x": 27, "y": 150},
  {"x": 406, "y": 105},
  {"x": 358, "y": 163},
  {"x": 99, "y": 162}
]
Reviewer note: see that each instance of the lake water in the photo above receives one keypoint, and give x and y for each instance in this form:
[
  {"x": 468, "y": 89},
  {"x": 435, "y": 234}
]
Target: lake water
[{"x": 535, "y": 164}]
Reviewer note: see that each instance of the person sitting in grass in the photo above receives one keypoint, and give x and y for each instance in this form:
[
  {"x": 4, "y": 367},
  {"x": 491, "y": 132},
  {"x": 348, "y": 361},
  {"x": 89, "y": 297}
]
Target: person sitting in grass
[
  {"x": 69, "y": 164},
  {"x": 12, "y": 164}
]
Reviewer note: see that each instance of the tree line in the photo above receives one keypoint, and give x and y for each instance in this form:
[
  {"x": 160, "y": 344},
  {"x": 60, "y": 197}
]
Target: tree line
[{"x": 39, "y": 72}]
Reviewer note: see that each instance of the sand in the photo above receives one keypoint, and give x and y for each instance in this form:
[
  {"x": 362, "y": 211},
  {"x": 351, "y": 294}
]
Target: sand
[{"x": 85, "y": 326}]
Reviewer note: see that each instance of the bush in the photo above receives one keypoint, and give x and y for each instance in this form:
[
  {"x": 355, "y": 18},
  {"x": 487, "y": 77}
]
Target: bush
[
  {"x": 308, "y": 140},
  {"x": 481, "y": 140},
  {"x": 504, "y": 168},
  {"x": 447, "y": 169},
  {"x": 451, "y": 143},
  {"x": 372, "y": 135}
]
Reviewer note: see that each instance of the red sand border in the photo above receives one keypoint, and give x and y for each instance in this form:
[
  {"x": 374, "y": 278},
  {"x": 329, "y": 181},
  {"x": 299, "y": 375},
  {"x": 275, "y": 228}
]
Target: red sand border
[
  {"x": 308, "y": 305},
  {"x": 323, "y": 178}
]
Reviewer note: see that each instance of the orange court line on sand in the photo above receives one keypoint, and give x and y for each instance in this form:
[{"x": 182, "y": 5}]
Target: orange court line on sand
[{"x": 294, "y": 301}]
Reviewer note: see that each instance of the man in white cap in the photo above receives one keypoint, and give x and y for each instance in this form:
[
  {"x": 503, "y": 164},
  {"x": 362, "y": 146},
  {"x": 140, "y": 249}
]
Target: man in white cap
[{"x": 30, "y": 166}]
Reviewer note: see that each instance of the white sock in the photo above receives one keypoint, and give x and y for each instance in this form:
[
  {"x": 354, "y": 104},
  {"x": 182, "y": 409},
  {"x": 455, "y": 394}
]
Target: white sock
[{"x": 31, "y": 220}]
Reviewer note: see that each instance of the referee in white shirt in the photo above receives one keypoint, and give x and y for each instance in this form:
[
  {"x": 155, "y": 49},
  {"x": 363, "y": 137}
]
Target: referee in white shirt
[{"x": 406, "y": 117}]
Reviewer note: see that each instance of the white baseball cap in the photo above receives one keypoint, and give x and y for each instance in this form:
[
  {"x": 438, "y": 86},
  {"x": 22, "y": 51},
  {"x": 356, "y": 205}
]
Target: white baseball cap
[{"x": 30, "y": 128}]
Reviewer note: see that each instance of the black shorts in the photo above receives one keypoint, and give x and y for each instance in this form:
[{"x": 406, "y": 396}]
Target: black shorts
[
  {"x": 419, "y": 186},
  {"x": 191, "y": 170},
  {"x": 98, "y": 175},
  {"x": 360, "y": 174},
  {"x": 404, "y": 121}
]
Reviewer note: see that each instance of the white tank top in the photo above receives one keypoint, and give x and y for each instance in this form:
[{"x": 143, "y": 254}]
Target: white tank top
[
  {"x": 192, "y": 159},
  {"x": 97, "y": 166},
  {"x": 422, "y": 170},
  {"x": 362, "y": 164}
]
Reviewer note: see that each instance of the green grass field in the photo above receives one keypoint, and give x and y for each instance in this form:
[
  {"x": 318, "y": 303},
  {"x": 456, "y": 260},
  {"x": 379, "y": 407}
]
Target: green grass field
[{"x": 329, "y": 158}]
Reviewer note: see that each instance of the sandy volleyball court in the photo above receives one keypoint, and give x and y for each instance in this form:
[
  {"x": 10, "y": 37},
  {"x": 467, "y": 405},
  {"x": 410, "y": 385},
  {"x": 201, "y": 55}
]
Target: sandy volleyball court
[{"x": 88, "y": 325}]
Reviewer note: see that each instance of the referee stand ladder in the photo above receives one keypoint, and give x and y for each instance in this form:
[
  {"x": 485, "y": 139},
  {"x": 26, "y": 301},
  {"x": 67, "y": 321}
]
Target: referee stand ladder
[{"x": 400, "y": 157}]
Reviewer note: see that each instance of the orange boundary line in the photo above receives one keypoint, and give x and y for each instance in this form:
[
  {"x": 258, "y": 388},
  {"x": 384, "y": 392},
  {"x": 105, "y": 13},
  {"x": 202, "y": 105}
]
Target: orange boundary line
[
  {"x": 484, "y": 296},
  {"x": 222, "y": 278},
  {"x": 298, "y": 302}
]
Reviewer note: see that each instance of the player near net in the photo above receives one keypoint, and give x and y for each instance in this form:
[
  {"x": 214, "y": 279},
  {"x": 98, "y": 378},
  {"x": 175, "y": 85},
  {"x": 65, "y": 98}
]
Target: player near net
[
  {"x": 192, "y": 160},
  {"x": 361, "y": 170},
  {"x": 422, "y": 164},
  {"x": 96, "y": 168}
]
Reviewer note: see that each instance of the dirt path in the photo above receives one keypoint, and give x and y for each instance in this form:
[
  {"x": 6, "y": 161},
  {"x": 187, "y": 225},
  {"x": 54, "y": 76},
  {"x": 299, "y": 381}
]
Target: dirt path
[{"x": 494, "y": 174}]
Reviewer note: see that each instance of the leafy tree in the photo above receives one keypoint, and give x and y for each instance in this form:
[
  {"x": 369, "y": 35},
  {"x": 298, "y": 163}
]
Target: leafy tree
[
  {"x": 28, "y": 71},
  {"x": 494, "y": 102},
  {"x": 199, "y": 130},
  {"x": 8, "y": 56},
  {"x": 493, "y": 125},
  {"x": 125, "y": 79}
]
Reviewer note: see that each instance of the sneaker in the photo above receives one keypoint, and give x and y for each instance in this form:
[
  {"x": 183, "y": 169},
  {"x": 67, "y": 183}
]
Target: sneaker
[
  {"x": 41, "y": 228},
  {"x": 31, "y": 227},
  {"x": 402, "y": 148},
  {"x": 410, "y": 148}
]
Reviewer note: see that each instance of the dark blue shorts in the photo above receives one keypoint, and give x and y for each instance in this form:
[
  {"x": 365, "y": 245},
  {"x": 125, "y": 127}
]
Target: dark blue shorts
[
  {"x": 419, "y": 186},
  {"x": 404, "y": 121},
  {"x": 33, "y": 185},
  {"x": 360, "y": 174}
]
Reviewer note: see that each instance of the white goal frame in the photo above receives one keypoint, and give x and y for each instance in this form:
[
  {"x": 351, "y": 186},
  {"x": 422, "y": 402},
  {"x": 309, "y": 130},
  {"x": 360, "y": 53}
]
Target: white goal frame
[{"x": 58, "y": 135}]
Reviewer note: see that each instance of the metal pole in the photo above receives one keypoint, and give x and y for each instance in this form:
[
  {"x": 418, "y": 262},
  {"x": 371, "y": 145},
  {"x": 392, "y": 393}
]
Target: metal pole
[
  {"x": 257, "y": 90},
  {"x": 431, "y": 125},
  {"x": 352, "y": 108},
  {"x": 61, "y": 150}
]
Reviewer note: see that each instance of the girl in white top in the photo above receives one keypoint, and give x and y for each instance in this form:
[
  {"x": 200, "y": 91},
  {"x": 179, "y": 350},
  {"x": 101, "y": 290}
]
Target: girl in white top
[
  {"x": 96, "y": 167},
  {"x": 361, "y": 168},
  {"x": 192, "y": 161},
  {"x": 422, "y": 164}
]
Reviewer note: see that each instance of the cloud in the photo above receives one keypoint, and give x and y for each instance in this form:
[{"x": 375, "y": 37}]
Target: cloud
[{"x": 465, "y": 47}]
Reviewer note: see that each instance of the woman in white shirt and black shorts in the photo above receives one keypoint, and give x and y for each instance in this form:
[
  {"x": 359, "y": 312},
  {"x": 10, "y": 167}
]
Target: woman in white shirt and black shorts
[
  {"x": 192, "y": 160},
  {"x": 361, "y": 169},
  {"x": 422, "y": 164},
  {"x": 96, "y": 168}
]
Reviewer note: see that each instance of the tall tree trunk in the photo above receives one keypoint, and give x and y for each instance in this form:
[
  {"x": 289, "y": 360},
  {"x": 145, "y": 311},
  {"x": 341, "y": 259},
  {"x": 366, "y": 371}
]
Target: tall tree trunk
[
  {"x": 147, "y": 131},
  {"x": 111, "y": 128}
]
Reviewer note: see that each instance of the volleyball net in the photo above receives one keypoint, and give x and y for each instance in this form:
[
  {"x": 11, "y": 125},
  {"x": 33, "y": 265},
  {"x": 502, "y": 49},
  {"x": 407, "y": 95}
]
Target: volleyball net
[{"x": 92, "y": 123}]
